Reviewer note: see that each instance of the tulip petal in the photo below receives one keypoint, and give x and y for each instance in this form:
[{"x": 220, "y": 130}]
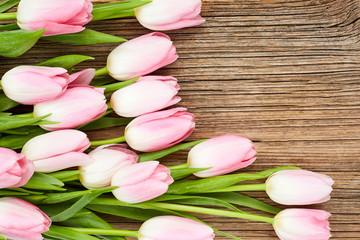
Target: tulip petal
[{"x": 67, "y": 160}]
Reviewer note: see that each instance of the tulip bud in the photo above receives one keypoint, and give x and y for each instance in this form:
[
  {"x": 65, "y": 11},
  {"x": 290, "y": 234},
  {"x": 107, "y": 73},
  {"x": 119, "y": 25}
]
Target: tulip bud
[
  {"x": 148, "y": 94},
  {"x": 222, "y": 155},
  {"x": 15, "y": 169},
  {"x": 174, "y": 228},
  {"x": 159, "y": 130},
  {"x": 57, "y": 150},
  {"x": 140, "y": 56},
  {"x": 141, "y": 182},
  {"x": 56, "y": 16},
  {"x": 21, "y": 220},
  {"x": 302, "y": 224},
  {"x": 33, "y": 84},
  {"x": 299, "y": 187},
  {"x": 78, "y": 105},
  {"x": 163, "y": 15},
  {"x": 108, "y": 159}
]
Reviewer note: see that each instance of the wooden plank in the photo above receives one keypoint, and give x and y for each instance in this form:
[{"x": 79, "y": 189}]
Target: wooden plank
[{"x": 283, "y": 73}]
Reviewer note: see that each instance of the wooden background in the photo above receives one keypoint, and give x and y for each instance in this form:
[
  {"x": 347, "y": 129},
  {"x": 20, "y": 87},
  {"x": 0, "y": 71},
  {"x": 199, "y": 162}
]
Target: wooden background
[{"x": 283, "y": 73}]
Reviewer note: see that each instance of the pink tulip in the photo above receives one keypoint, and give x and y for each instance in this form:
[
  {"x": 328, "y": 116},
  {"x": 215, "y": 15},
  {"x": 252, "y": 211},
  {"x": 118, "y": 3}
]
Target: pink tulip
[
  {"x": 174, "y": 228},
  {"x": 161, "y": 15},
  {"x": 107, "y": 160},
  {"x": 78, "y": 105},
  {"x": 56, "y": 16},
  {"x": 57, "y": 150},
  {"x": 15, "y": 169},
  {"x": 148, "y": 94},
  {"x": 140, "y": 56},
  {"x": 223, "y": 154},
  {"x": 141, "y": 182},
  {"x": 20, "y": 220},
  {"x": 302, "y": 224},
  {"x": 299, "y": 187},
  {"x": 159, "y": 130},
  {"x": 33, "y": 84}
]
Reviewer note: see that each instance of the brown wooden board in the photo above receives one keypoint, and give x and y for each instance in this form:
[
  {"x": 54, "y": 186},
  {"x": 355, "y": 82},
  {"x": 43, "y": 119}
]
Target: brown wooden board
[{"x": 286, "y": 74}]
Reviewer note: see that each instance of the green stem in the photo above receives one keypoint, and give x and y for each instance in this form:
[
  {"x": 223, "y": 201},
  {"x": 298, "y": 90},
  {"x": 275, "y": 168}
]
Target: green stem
[
  {"x": 162, "y": 153},
  {"x": 101, "y": 71},
  {"x": 31, "y": 115},
  {"x": 108, "y": 141},
  {"x": 8, "y": 16},
  {"x": 211, "y": 211},
  {"x": 109, "y": 232},
  {"x": 180, "y": 166},
  {"x": 241, "y": 188}
]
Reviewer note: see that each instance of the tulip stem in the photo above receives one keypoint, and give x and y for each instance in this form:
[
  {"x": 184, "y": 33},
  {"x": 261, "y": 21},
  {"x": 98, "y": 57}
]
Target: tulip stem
[
  {"x": 109, "y": 232},
  {"x": 8, "y": 16},
  {"x": 101, "y": 71},
  {"x": 241, "y": 188},
  {"x": 211, "y": 211},
  {"x": 108, "y": 141},
  {"x": 162, "y": 153},
  {"x": 180, "y": 166}
]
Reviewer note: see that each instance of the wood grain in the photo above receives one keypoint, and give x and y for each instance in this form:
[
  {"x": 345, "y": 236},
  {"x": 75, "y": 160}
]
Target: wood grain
[{"x": 283, "y": 73}]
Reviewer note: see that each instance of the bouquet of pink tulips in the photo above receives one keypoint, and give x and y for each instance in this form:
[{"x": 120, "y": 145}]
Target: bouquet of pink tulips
[{"x": 54, "y": 179}]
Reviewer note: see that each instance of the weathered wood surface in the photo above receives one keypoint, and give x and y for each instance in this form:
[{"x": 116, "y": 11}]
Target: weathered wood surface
[{"x": 283, "y": 73}]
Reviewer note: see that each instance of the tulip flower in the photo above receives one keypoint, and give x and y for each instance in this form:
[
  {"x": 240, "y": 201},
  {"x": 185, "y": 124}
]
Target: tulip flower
[
  {"x": 140, "y": 56},
  {"x": 174, "y": 228},
  {"x": 56, "y": 16},
  {"x": 299, "y": 187},
  {"x": 222, "y": 155},
  {"x": 15, "y": 169},
  {"x": 163, "y": 15},
  {"x": 302, "y": 224},
  {"x": 76, "y": 106},
  {"x": 159, "y": 130},
  {"x": 107, "y": 160},
  {"x": 148, "y": 94},
  {"x": 57, "y": 150},
  {"x": 34, "y": 84},
  {"x": 20, "y": 220},
  {"x": 141, "y": 182}
]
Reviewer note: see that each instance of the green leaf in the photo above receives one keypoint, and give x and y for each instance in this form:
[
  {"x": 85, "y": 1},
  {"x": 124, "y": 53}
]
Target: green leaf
[
  {"x": 65, "y": 233},
  {"x": 91, "y": 220},
  {"x": 61, "y": 175},
  {"x": 44, "y": 182},
  {"x": 66, "y": 61},
  {"x": 115, "y": 86},
  {"x": 12, "y": 26},
  {"x": 127, "y": 212},
  {"x": 86, "y": 37},
  {"x": 11, "y": 122},
  {"x": 106, "y": 10},
  {"x": 177, "y": 174},
  {"x": 6, "y": 103},
  {"x": 14, "y": 132},
  {"x": 82, "y": 202},
  {"x": 12, "y": 193},
  {"x": 17, "y": 42},
  {"x": 243, "y": 200},
  {"x": 7, "y": 4},
  {"x": 18, "y": 141},
  {"x": 218, "y": 182},
  {"x": 106, "y": 122},
  {"x": 159, "y": 154},
  {"x": 53, "y": 198},
  {"x": 198, "y": 200},
  {"x": 100, "y": 81}
]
